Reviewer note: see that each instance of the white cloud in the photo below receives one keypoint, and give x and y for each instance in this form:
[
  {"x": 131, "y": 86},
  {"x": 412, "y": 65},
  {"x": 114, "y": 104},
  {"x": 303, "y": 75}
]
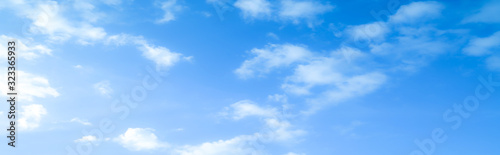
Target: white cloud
[
  {"x": 139, "y": 139},
  {"x": 487, "y": 14},
  {"x": 322, "y": 71},
  {"x": 417, "y": 12},
  {"x": 83, "y": 122},
  {"x": 26, "y": 48},
  {"x": 236, "y": 145},
  {"x": 292, "y": 153},
  {"x": 30, "y": 116},
  {"x": 103, "y": 88},
  {"x": 78, "y": 66},
  {"x": 273, "y": 35},
  {"x": 48, "y": 19},
  {"x": 276, "y": 130},
  {"x": 356, "y": 86},
  {"x": 333, "y": 79},
  {"x": 483, "y": 46},
  {"x": 281, "y": 130},
  {"x": 493, "y": 63},
  {"x": 31, "y": 86},
  {"x": 271, "y": 57},
  {"x": 371, "y": 31},
  {"x": 278, "y": 98},
  {"x": 254, "y": 8},
  {"x": 296, "y": 10},
  {"x": 245, "y": 108},
  {"x": 317, "y": 72},
  {"x": 170, "y": 7},
  {"x": 86, "y": 139},
  {"x": 162, "y": 56}
]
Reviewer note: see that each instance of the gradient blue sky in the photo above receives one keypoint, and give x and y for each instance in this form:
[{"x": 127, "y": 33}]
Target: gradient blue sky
[{"x": 251, "y": 77}]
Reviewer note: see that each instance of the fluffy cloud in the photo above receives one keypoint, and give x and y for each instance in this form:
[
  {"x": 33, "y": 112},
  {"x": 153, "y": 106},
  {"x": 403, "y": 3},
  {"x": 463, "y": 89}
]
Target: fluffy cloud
[
  {"x": 276, "y": 130},
  {"x": 486, "y": 14},
  {"x": 407, "y": 46},
  {"x": 139, "y": 139},
  {"x": 162, "y": 56},
  {"x": 103, "y": 88},
  {"x": 483, "y": 46},
  {"x": 86, "y": 139},
  {"x": 417, "y": 12},
  {"x": 356, "y": 86},
  {"x": 170, "y": 7},
  {"x": 31, "y": 116},
  {"x": 26, "y": 49},
  {"x": 247, "y": 108},
  {"x": 47, "y": 18},
  {"x": 31, "y": 86},
  {"x": 299, "y": 10},
  {"x": 254, "y": 8},
  {"x": 338, "y": 76},
  {"x": 371, "y": 31},
  {"x": 295, "y": 11},
  {"x": 271, "y": 57}
]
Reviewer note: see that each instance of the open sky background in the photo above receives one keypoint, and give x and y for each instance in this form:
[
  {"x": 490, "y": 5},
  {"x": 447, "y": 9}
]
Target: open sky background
[{"x": 251, "y": 77}]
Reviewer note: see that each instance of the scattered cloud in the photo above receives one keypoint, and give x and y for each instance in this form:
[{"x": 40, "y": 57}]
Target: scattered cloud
[
  {"x": 31, "y": 116},
  {"x": 417, "y": 12},
  {"x": 28, "y": 49},
  {"x": 48, "y": 18},
  {"x": 278, "y": 98},
  {"x": 272, "y": 57},
  {"x": 371, "y": 31},
  {"x": 245, "y": 108},
  {"x": 276, "y": 130},
  {"x": 86, "y": 139},
  {"x": 297, "y": 10},
  {"x": 236, "y": 145},
  {"x": 338, "y": 76},
  {"x": 272, "y": 35},
  {"x": 103, "y": 88},
  {"x": 162, "y": 56},
  {"x": 254, "y": 8},
  {"x": 486, "y": 14},
  {"x": 140, "y": 139},
  {"x": 483, "y": 46},
  {"x": 83, "y": 122},
  {"x": 78, "y": 66},
  {"x": 493, "y": 63},
  {"x": 31, "y": 87},
  {"x": 170, "y": 7}
]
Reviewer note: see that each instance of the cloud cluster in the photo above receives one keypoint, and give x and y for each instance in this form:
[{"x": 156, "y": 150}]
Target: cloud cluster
[
  {"x": 295, "y": 11},
  {"x": 277, "y": 130},
  {"x": 312, "y": 70}
]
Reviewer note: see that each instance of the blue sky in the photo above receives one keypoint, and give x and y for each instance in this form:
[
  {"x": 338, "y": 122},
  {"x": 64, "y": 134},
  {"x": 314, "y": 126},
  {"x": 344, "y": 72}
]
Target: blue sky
[{"x": 225, "y": 77}]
